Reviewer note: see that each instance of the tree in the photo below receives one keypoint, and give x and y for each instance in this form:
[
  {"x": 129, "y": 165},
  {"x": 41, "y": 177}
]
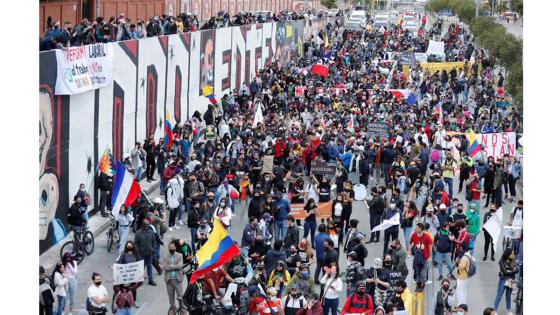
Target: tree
[
  {"x": 517, "y": 6},
  {"x": 329, "y": 3}
]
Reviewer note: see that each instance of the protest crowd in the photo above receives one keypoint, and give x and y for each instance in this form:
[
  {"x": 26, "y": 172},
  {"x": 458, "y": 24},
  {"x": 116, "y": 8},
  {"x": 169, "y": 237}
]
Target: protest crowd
[
  {"x": 356, "y": 119},
  {"x": 121, "y": 28}
]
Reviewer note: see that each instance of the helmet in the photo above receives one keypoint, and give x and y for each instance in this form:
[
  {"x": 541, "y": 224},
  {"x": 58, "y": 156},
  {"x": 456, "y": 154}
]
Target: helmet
[
  {"x": 158, "y": 200},
  {"x": 237, "y": 272},
  {"x": 377, "y": 263}
]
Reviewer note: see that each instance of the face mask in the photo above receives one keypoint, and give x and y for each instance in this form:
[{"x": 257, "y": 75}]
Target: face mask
[
  {"x": 472, "y": 210},
  {"x": 392, "y": 206},
  {"x": 97, "y": 283},
  {"x": 145, "y": 226},
  {"x": 445, "y": 288},
  {"x": 172, "y": 251},
  {"x": 305, "y": 274},
  {"x": 387, "y": 263},
  {"x": 129, "y": 247},
  {"x": 211, "y": 198},
  {"x": 215, "y": 269},
  {"x": 393, "y": 247},
  {"x": 361, "y": 293},
  {"x": 223, "y": 204},
  {"x": 459, "y": 210}
]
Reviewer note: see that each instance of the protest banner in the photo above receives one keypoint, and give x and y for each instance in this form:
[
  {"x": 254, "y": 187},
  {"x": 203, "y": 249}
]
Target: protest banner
[
  {"x": 421, "y": 57},
  {"x": 436, "y": 48},
  {"x": 268, "y": 164},
  {"x": 394, "y": 220},
  {"x": 440, "y": 66},
  {"x": 323, "y": 168},
  {"x": 324, "y": 210},
  {"x": 128, "y": 273},
  {"x": 378, "y": 130},
  {"x": 494, "y": 144},
  {"x": 407, "y": 58},
  {"x": 83, "y": 68}
]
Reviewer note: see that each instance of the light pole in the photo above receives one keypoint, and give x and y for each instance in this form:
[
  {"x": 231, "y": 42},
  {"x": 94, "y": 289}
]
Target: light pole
[{"x": 477, "y": 4}]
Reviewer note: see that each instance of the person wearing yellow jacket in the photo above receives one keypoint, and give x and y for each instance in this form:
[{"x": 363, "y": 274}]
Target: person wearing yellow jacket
[
  {"x": 279, "y": 278},
  {"x": 406, "y": 296}
]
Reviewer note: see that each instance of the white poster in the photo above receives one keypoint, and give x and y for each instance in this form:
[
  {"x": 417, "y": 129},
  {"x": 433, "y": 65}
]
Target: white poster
[
  {"x": 498, "y": 144},
  {"x": 128, "y": 273},
  {"x": 436, "y": 48},
  {"x": 421, "y": 57},
  {"x": 83, "y": 68}
]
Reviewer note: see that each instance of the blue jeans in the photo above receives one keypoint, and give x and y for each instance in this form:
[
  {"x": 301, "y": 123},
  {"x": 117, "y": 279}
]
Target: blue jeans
[
  {"x": 441, "y": 258},
  {"x": 280, "y": 229},
  {"x": 148, "y": 264},
  {"x": 310, "y": 226},
  {"x": 71, "y": 293},
  {"x": 161, "y": 185},
  {"x": 123, "y": 237},
  {"x": 501, "y": 289},
  {"x": 407, "y": 232},
  {"x": 193, "y": 237},
  {"x": 330, "y": 305},
  {"x": 124, "y": 311},
  {"x": 139, "y": 171},
  {"x": 180, "y": 211},
  {"x": 60, "y": 307},
  {"x": 449, "y": 182}
]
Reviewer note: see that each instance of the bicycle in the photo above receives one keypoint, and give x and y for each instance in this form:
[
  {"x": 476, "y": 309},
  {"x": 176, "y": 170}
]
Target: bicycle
[
  {"x": 82, "y": 243},
  {"x": 112, "y": 233},
  {"x": 519, "y": 297}
]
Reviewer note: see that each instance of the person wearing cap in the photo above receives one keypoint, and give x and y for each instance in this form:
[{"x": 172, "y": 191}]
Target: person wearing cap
[
  {"x": 359, "y": 302},
  {"x": 431, "y": 219},
  {"x": 302, "y": 278},
  {"x": 442, "y": 215},
  {"x": 462, "y": 309},
  {"x": 294, "y": 301}
]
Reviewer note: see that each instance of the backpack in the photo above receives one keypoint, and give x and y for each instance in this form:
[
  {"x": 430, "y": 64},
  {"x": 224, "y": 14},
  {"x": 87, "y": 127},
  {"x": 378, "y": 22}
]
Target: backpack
[
  {"x": 472, "y": 268},
  {"x": 418, "y": 260},
  {"x": 440, "y": 245}
]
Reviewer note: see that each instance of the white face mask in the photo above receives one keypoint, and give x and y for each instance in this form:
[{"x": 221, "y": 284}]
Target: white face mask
[{"x": 392, "y": 206}]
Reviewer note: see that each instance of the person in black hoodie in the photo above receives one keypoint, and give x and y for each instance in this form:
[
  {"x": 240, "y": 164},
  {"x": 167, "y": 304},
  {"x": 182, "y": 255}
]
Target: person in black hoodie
[
  {"x": 75, "y": 218},
  {"x": 376, "y": 207},
  {"x": 273, "y": 256},
  {"x": 104, "y": 191},
  {"x": 255, "y": 205},
  {"x": 193, "y": 221},
  {"x": 292, "y": 233}
]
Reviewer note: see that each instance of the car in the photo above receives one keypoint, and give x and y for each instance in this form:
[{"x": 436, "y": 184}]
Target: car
[
  {"x": 332, "y": 12},
  {"x": 358, "y": 14},
  {"x": 354, "y": 24},
  {"x": 409, "y": 19}
]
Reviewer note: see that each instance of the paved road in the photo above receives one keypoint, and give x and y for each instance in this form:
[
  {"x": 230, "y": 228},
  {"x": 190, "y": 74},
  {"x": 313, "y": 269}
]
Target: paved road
[
  {"x": 153, "y": 300},
  {"x": 514, "y": 29}
]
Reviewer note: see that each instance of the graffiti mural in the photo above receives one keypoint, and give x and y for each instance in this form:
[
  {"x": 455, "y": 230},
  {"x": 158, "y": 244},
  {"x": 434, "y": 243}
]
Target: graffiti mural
[{"x": 150, "y": 77}]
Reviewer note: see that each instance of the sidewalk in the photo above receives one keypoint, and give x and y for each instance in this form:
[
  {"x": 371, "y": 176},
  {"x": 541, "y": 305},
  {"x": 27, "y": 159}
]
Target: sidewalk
[{"x": 96, "y": 224}]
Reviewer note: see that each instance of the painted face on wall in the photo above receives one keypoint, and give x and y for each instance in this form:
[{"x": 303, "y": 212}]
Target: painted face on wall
[
  {"x": 48, "y": 183},
  {"x": 207, "y": 66}
]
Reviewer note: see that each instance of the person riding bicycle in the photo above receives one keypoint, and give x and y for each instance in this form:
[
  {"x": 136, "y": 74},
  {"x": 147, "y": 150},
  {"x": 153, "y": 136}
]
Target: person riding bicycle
[
  {"x": 193, "y": 297},
  {"x": 75, "y": 219}
]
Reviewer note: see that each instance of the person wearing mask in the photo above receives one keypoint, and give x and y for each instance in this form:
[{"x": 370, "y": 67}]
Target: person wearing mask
[
  {"x": 293, "y": 260},
  {"x": 306, "y": 252},
  {"x": 313, "y": 306},
  {"x": 46, "y": 295},
  {"x": 138, "y": 155},
  {"x": 355, "y": 272},
  {"x": 462, "y": 241},
  {"x": 292, "y": 233},
  {"x": 473, "y": 189},
  {"x": 350, "y": 237},
  {"x": 279, "y": 278},
  {"x": 508, "y": 270},
  {"x": 376, "y": 208},
  {"x": 448, "y": 167},
  {"x": 359, "y": 302},
  {"x": 473, "y": 227},
  {"x": 333, "y": 286},
  {"x": 398, "y": 255},
  {"x": 104, "y": 190},
  {"x": 421, "y": 249},
  {"x": 125, "y": 220},
  {"x": 193, "y": 221},
  {"x": 294, "y": 301},
  {"x": 303, "y": 280},
  {"x": 249, "y": 234},
  {"x": 404, "y": 299},
  {"x": 393, "y": 231},
  {"x": 310, "y": 224},
  {"x": 462, "y": 309},
  {"x": 431, "y": 220},
  {"x": 378, "y": 279},
  {"x": 131, "y": 255},
  {"x": 145, "y": 240},
  {"x": 70, "y": 272},
  {"x": 223, "y": 212},
  {"x": 332, "y": 231},
  {"x": 173, "y": 197},
  {"x": 172, "y": 264},
  {"x": 320, "y": 249},
  {"x": 407, "y": 221},
  {"x": 442, "y": 248},
  {"x": 272, "y": 304},
  {"x": 213, "y": 281},
  {"x": 443, "y": 300},
  {"x": 254, "y": 208},
  {"x": 97, "y": 295},
  {"x": 258, "y": 249},
  {"x": 463, "y": 266},
  {"x": 61, "y": 286}
]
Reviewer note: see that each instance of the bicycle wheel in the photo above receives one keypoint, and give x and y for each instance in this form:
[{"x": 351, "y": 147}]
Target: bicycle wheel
[
  {"x": 88, "y": 242},
  {"x": 109, "y": 239},
  {"x": 114, "y": 303},
  {"x": 74, "y": 250}
]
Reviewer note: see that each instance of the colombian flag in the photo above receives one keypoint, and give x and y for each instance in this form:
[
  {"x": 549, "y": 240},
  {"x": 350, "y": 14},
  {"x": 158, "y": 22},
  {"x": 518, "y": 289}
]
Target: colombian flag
[
  {"x": 106, "y": 164},
  {"x": 474, "y": 146},
  {"x": 168, "y": 132},
  {"x": 208, "y": 91},
  {"x": 218, "y": 250}
]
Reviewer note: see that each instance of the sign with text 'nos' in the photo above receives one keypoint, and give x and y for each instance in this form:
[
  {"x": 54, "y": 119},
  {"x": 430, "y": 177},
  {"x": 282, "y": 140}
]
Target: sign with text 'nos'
[{"x": 128, "y": 273}]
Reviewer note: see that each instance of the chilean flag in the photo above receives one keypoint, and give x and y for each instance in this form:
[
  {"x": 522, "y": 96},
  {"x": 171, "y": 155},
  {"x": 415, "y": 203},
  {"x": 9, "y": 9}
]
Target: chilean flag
[
  {"x": 125, "y": 190},
  {"x": 320, "y": 69}
]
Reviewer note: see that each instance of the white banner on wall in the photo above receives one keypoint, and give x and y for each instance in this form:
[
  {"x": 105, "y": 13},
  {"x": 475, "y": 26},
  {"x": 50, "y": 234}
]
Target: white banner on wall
[
  {"x": 84, "y": 68},
  {"x": 128, "y": 273},
  {"x": 436, "y": 48}
]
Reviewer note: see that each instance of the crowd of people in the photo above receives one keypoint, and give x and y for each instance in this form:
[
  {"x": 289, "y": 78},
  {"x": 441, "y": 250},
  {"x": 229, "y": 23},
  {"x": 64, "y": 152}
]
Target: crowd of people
[
  {"x": 216, "y": 162},
  {"x": 121, "y": 28}
]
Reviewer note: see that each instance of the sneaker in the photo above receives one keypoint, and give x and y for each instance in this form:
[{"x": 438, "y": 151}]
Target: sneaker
[
  {"x": 180, "y": 222},
  {"x": 485, "y": 258},
  {"x": 136, "y": 304},
  {"x": 176, "y": 227},
  {"x": 170, "y": 229},
  {"x": 152, "y": 283},
  {"x": 493, "y": 259}
]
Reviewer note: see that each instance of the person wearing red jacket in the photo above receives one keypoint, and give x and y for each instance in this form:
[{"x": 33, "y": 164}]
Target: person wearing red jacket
[
  {"x": 313, "y": 306},
  {"x": 359, "y": 302},
  {"x": 279, "y": 148}
]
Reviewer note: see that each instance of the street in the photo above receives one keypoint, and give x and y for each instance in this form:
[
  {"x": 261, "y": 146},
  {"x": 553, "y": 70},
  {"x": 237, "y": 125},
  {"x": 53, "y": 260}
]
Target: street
[{"x": 154, "y": 300}]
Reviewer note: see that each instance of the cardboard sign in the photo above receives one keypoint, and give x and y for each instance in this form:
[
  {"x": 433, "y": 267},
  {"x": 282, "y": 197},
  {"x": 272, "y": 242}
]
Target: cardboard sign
[
  {"x": 128, "y": 273},
  {"x": 378, "y": 130},
  {"x": 268, "y": 164},
  {"x": 323, "y": 168}
]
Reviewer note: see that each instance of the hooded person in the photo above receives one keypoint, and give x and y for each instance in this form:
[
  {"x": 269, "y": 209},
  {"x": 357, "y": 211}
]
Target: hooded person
[
  {"x": 273, "y": 256},
  {"x": 303, "y": 280},
  {"x": 359, "y": 302}
]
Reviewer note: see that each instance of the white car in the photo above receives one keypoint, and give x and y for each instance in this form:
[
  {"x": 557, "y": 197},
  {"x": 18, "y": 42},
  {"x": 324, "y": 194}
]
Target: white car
[
  {"x": 354, "y": 24},
  {"x": 409, "y": 19},
  {"x": 332, "y": 12},
  {"x": 359, "y": 14}
]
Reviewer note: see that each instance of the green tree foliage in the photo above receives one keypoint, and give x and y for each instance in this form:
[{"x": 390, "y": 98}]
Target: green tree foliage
[
  {"x": 517, "y": 6},
  {"x": 329, "y": 3}
]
